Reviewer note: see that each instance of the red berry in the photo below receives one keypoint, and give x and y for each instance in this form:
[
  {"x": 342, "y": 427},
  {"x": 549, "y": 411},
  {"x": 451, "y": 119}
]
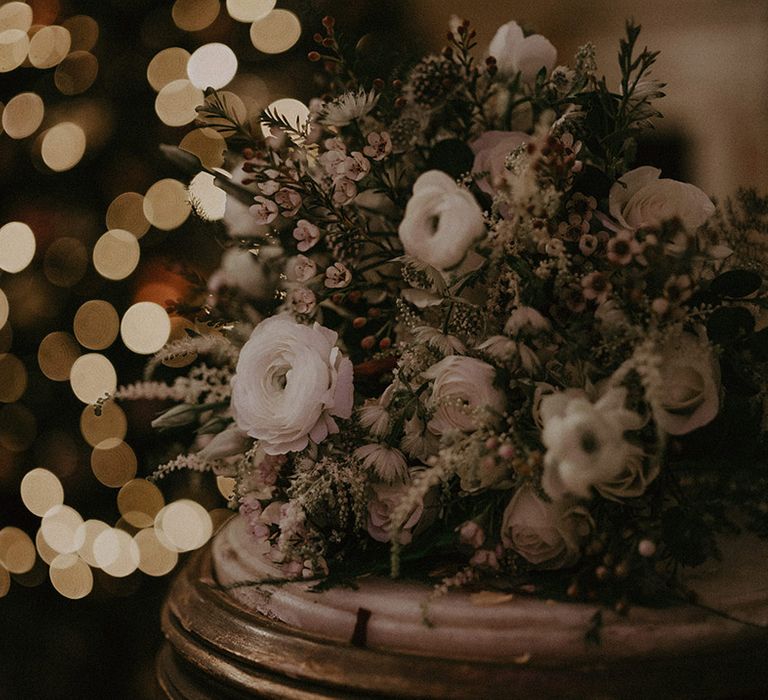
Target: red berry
[{"x": 368, "y": 342}]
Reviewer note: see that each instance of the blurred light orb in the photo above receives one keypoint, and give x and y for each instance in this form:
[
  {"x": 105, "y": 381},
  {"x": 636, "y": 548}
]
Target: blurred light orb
[
  {"x": 96, "y": 324},
  {"x": 92, "y": 377},
  {"x": 210, "y": 201},
  {"x": 212, "y": 65},
  {"x": 49, "y": 46},
  {"x": 76, "y": 73},
  {"x": 88, "y": 532},
  {"x": 5, "y": 309},
  {"x": 145, "y": 327},
  {"x": 277, "y": 32},
  {"x": 63, "y": 146},
  {"x": 167, "y": 65},
  {"x": 207, "y": 144},
  {"x": 249, "y": 10},
  {"x": 110, "y": 422},
  {"x": 166, "y": 205},
  {"x": 65, "y": 262},
  {"x": 17, "y": 246},
  {"x": 5, "y": 581},
  {"x": 18, "y": 427},
  {"x": 116, "y": 254},
  {"x": 71, "y": 576},
  {"x": 116, "y": 553},
  {"x": 56, "y": 354},
  {"x": 45, "y": 552},
  {"x": 15, "y": 15},
  {"x": 41, "y": 490},
  {"x": 235, "y": 108},
  {"x": 61, "y": 529},
  {"x": 176, "y": 104},
  {"x": 84, "y": 31},
  {"x": 226, "y": 486},
  {"x": 139, "y": 501},
  {"x": 183, "y": 525},
  {"x": 126, "y": 211},
  {"x": 14, "y": 49},
  {"x": 154, "y": 558},
  {"x": 295, "y": 112},
  {"x": 113, "y": 463},
  {"x": 13, "y": 378},
  {"x": 17, "y": 551},
  {"x": 194, "y": 15},
  {"x": 23, "y": 115}
]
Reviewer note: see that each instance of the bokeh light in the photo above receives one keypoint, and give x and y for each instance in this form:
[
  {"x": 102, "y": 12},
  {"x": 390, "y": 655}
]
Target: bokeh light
[
  {"x": 76, "y": 73},
  {"x": 15, "y": 15},
  {"x": 71, "y": 576},
  {"x": 13, "y": 378},
  {"x": 145, "y": 328},
  {"x": 127, "y": 212},
  {"x": 139, "y": 501},
  {"x": 207, "y": 144},
  {"x": 183, "y": 525},
  {"x": 194, "y": 15},
  {"x": 14, "y": 48},
  {"x": 17, "y": 551},
  {"x": 88, "y": 532},
  {"x": 277, "y": 32},
  {"x": 176, "y": 103},
  {"x": 212, "y": 65},
  {"x": 56, "y": 354},
  {"x": 17, "y": 246},
  {"x": 116, "y": 552},
  {"x": 166, "y": 205},
  {"x": 167, "y": 65},
  {"x": 249, "y": 10},
  {"x": 294, "y": 111},
  {"x": 83, "y": 30},
  {"x": 65, "y": 262},
  {"x": 49, "y": 46},
  {"x": 93, "y": 377},
  {"x": 209, "y": 200},
  {"x": 96, "y": 324},
  {"x": 23, "y": 115},
  {"x": 154, "y": 558},
  {"x": 41, "y": 490},
  {"x": 61, "y": 529},
  {"x": 109, "y": 421},
  {"x": 116, "y": 254},
  {"x": 113, "y": 462}
]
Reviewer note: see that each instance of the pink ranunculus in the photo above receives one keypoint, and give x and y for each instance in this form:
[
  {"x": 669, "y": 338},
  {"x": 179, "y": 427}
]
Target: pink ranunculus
[
  {"x": 381, "y": 508},
  {"x": 290, "y": 383},
  {"x": 491, "y": 151}
]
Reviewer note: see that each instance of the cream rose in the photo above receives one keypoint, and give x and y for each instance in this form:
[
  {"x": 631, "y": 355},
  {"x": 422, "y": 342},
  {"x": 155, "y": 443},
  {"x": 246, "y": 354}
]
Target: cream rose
[
  {"x": 462, "y": 387},
  {"x": 548, "y": 535},
  {"x": 441, "y": 221},
  {"x": 691, "y": 385},
  {"x": 640, "y": 199},
  {"x": 291, "y": 380},
  {"x": 516, "y": 53},
  {"x": 381, "y": 508}
]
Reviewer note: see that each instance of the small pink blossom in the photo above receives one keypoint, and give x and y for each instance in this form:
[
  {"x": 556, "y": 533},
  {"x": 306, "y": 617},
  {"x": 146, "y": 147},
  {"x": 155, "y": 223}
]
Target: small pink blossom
[
  {"x": 622, "y": 248},
  {"x": 337, "y": 276},
  {"x": 269, "y": 187},
  {"x": 596, "y": 286},
  {"x": 265, "y": 211},
  {"x": 485, "y": 557},
  {"x": 307, "y": 234},
  {"x": 302, "y": 300},
  {"x": 355, "y": 167},
  {"x": 250, "y": 509},
  {"x": 303, "y": 269},
  {"x": 345, "y": 191},
  {"x": 588, "y": 244},
  {"x": 379, "y": 145},
  {"x": 472, "y": 534},
  {"x": 289, "y": 201}
]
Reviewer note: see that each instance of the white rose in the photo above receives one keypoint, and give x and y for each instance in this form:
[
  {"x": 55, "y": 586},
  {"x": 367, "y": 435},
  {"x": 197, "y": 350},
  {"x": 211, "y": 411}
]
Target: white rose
[
  {"x": 462, "y": 385},
  {"x": 639, "y": 471},
  {"x": 382, "y": 505},
  {"x": 584, "y": 440},
  {"x": 548, "y": 535},
  {"x": 691, "y": 378},
  {"x": 640, "y": 199},
  {"x": 441, "y": 221},
  {"x": 290, "y": 382},
  {"x": 516, "y": 53}
]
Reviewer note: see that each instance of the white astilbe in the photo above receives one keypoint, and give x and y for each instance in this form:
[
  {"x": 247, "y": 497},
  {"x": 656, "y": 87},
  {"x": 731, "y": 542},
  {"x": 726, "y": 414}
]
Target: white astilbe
[
  {"x": 152, "y": 391},
  {"x": 208, "y": 384},
  {"x": 191, "y": 461},
  {"x": 219, "y": 348}
]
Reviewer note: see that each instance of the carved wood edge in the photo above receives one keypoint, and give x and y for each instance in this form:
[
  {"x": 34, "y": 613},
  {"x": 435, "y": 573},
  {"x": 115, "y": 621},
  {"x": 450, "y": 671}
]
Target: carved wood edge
[{"x": 217, "y": 648}]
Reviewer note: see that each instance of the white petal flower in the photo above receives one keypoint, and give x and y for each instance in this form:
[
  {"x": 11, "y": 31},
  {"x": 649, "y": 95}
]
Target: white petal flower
[
  {"x": 516, "y": 53},
  {"x": 388, "y": 463},
  {"x": 350, "y": 106}
]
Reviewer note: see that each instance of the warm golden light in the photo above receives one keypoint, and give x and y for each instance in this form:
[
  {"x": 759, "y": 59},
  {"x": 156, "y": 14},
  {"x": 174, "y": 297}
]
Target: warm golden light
[
  {"x": 96, "y": 324},
  {"x": 56, "y": 354},
  {"x": 113, "y": 462},
  {"x": 212, "y": 65},
  {"x": 235, "y": 107},
  {"x": 116, "y": 552},
  {"x": 176, "y": 103},
  {"x": 207, "y": 144},
  {"x": 167, "y": 65},
  {"x": 65, "y": 262},
  {"x": 5, "y": 581},
  {"x": 71, "y": 576},
  {"x": 210, "y": 201},
  {"x": 294, "y": 111},
  {"x": 166, "y": 205},
  {"x": 45, "y": 552},
  {"x": 127, "y": 212},
  {"x": 249, "y": 10},
  {"x": 277, "y": 32},
  {"x": 17, "y": 551},
  {"x": 154, "y": 558},
  {"x": 93, "y": 377},
  {"x": 88, "y": 532},
  {"x": 226, "y": 486},
  {"x": 13, "y": 378},
  {"x": 76, "y": 73},
  {"x": 49, "y": 46},
  {"x": 17, "y": 246},
  {"x": 145, "y": 327},
  {"x": 84, "y": 31},
  {"x": 5, "y": 310},
  {"x": 183, "y": 525},
  {"x": 23, "y": 115},
  {"x": 41, "y": 490},
  {"x": 15, "y": 15},
  {"x": 61, "y": 529},
  {"x": 109, "y": 422},
  {"x": 139, "y": 501},
  {"x": 63, "y": 146},
  {"x": 116, "y": 254},
  {"x": 194, "y": 15},
  {"x": 14, "y": 47}
]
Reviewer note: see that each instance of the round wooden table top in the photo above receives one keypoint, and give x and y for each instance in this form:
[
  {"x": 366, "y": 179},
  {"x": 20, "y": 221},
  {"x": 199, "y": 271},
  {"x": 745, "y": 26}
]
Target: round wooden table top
[{"x": 390, "y": 639}]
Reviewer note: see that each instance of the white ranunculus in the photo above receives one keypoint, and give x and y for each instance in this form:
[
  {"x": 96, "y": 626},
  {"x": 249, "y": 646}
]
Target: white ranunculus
[
  {"x": 691, "y": 385},
  {"x": 640, "y": 198},
  {"x": 291, "y": 380},
  {"x": 441, "y": 221},
  {"x": 548, "y": 535},
  {"x": 516, "y": 53},
  {"x": 463, "y": 395},
  {"x": 584, "y": 440}
]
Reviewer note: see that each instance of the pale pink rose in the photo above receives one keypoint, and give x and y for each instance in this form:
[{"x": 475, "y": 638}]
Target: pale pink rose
[
  {"x": 289, "y": 201},
  {"x": 307, "y": 235},
  {"x": 641, "y": 199},
  {"x": 441, "y": 222},
  {"x": 690, "y": 376},
  {"x": 462, "y": 386},
  {"x": 337, "y": 276},
  {"x": 491, "y": 151},
  {"x": 291, "y": 380},
  {"x": 380, "y": 509},
  {"x": 379, "y": 145},
  {"x": 265, "y": 211},
  {"x": 301, "y": 269},
  {"x": 516, "y": 53},
  {"x": 548, "y": 535}
]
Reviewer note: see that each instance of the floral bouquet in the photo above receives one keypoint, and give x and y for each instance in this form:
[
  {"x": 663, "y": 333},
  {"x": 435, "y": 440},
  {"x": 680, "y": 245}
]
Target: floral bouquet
[{"x": 458, "y": 336}]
